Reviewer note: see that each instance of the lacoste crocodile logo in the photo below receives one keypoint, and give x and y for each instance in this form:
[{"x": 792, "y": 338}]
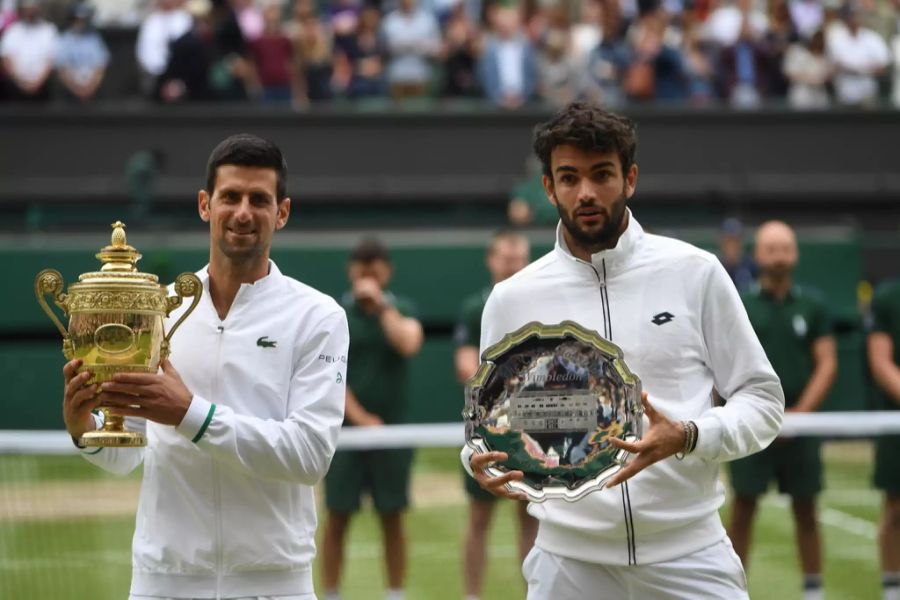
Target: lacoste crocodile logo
[{"x": 265, "y": 342}]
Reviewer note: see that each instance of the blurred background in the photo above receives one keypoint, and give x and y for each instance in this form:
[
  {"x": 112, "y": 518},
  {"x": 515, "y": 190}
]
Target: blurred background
[{"x": 411, "y": 120}]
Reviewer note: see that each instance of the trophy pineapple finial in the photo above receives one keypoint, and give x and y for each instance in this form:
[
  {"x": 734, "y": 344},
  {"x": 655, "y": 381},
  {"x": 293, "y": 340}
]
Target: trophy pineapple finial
[
  {"x": 118, "y": 256},
  {"x": 118, "y": 235}
]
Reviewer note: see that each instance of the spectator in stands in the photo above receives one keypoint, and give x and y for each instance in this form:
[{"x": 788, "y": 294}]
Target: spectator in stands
[
  {"x": 82, "y": 56},
  {"x": 559, "y": 77},
  {"x": 459, "y": 54},
  {"x": 884, "y": 361},
  {"x": 608, "y": 62},
  {"x": 737, "y": 263},
  {"x": 412, "y": 38},
  {"x": 744, "y": 66},
  {"x": 384, "y": 337},
  {"x": 780, "y": 34},
  {"x": 250, "y": 17},
  {"x": 508, "y": 67},
  {"x": 699, "y": 68},
  {"x": 187, "y": 74},
  {"x": 860, "y": 56},
  {"x": 343, "y": 19},
  {"x": 276, "y": 73},
  {"x": 231, "y": 69},
  {"x": 361, "y": 57},
  {"x": 732, "y": 17},
  {"x": 656, "y": 71},
  {"x": 809, "y": 71},
  {"x": 440, "y": 9},
  {"x": 507, "y": 254},
  {"x": 314, "y": 48},
  {"x": 587, "y": 30},
  {"x": 28, "y": 50},
  {"x": 807, "y": 16},
  {"x": 793, "y": 327},
  {"x": 8, "y": 13},
  {"x": 167, "y": 22},
  {"x": 119, "y": 13}
]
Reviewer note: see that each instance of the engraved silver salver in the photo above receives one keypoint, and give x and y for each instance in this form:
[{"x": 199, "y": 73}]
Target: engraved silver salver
[{"x": 551, "y": 397}]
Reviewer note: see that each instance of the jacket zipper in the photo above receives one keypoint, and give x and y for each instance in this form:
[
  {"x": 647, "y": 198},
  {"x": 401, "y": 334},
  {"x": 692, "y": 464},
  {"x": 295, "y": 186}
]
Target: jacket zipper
[
  {"x": 217, "y": 492},
  {"x": 607, "y": 333}
]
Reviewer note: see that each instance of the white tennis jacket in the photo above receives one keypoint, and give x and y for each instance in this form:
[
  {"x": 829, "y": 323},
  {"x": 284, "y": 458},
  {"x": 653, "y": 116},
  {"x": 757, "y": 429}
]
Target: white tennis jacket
[
  {"x": 675, "y": 313},
  {"x": 226, "y": 505}
]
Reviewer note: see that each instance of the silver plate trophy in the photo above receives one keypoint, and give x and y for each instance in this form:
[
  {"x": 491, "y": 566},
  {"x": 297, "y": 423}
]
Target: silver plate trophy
[{"x": 551, "y": 397}]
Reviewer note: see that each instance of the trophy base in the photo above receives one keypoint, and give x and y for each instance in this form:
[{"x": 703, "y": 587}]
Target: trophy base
[{"x": 113, "y": 439}]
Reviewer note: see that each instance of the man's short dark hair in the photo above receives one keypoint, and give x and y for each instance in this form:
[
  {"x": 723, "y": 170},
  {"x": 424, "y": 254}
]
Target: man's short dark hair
[
  {"x": 247, "y": 150},
  {"x": 589, "y": 128},
  {"x": 369, "y": 250}
]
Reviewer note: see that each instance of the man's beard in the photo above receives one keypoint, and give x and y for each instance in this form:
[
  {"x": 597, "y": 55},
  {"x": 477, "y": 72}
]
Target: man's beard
[
  {"x": 776, "y": 271},
  {"x": 602, "y": 237}
]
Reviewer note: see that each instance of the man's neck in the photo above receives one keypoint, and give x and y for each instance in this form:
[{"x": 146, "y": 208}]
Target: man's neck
[
  {"x": 226, "y": 277},
  {"x": 585, "y": 251},
  {"x": 777, "y": 287}
]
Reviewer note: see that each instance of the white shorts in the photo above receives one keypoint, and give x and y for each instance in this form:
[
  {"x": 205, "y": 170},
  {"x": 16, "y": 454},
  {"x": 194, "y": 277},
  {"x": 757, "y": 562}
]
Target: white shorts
[{"x": 713, "y": 572}]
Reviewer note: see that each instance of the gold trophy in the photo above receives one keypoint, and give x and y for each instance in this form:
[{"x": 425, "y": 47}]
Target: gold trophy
[{"x": 116, "y": 323}]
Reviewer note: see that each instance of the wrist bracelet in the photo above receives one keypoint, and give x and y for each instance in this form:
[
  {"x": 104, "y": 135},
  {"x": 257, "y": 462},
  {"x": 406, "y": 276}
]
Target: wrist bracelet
[{"x": 691, "y": 433}]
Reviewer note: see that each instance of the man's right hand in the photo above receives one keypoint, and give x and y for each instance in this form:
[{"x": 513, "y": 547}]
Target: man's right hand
[
  {"x": 495, "y": 485},
  {"x": 79, "y": 400}
]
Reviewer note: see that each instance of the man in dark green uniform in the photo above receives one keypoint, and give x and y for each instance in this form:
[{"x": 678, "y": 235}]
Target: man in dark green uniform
[
  {"x": 384, "y": 335},
  {"x": 884, "y": 361},
  {"x": 507, "y": 254},
  {"x": 793, "y": 327}
]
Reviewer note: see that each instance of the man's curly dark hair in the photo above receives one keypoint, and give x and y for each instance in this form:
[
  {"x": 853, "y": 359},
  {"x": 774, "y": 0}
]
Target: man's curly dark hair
[{"x": 590, "y": 128}]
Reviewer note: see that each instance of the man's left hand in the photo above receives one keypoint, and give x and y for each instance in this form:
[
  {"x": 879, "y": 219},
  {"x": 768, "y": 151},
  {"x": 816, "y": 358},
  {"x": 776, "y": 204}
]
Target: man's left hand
[
  {"x": 663, "y": 439},
  {"x": 161, "y": 397}
]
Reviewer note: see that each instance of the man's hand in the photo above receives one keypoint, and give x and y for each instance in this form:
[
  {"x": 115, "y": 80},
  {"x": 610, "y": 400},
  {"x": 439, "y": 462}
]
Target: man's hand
[
  {"x": 79, "y": 400},
  {"x": 368, "y": 293},
  {"x": 495, "y": 485},
  {"x": 663, "y": 439},
  {"x": 160, "y": 397}
]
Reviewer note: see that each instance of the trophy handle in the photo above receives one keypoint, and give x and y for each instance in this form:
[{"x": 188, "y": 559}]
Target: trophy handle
[
  {"x": 49, "y": 281},
  {"x": 187, "y": 285}
]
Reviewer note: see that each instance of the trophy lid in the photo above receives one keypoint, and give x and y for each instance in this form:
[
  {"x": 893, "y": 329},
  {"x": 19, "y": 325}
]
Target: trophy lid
[
  {"x": 118, "y": 256},
  {"x": 118, "y": 262}
]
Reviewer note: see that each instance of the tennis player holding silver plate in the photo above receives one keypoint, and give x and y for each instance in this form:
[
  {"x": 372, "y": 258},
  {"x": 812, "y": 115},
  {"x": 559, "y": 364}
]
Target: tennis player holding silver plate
[{"x": 551, "y": 397}]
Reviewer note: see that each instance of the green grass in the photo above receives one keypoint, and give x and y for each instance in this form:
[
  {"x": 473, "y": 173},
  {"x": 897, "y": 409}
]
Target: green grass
[{"x": 89, "y": 557}]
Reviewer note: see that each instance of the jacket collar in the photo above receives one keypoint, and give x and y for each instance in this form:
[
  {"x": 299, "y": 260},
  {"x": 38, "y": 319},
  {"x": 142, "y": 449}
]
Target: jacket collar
[
  {"x": 614, "y": 257},
  {"x": 264, "y": 283}
]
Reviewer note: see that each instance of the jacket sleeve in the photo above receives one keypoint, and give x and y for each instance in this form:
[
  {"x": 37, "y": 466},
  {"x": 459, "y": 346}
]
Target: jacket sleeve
[
  {"x": 743, "y": 376},
  {"x": 119, "y": 461},
  {"x": 298, "y": 449}
]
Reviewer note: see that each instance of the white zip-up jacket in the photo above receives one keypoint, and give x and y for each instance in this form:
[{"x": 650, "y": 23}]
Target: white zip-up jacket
[
  {"x": 227, "y": 506},
  {"x": 675, "y": 313}
]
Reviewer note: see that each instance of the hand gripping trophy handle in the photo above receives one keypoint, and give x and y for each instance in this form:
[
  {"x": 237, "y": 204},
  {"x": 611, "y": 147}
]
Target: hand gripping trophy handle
[
  {"x": 51, "y": 282},
  {"x": 187, "y": 285}
]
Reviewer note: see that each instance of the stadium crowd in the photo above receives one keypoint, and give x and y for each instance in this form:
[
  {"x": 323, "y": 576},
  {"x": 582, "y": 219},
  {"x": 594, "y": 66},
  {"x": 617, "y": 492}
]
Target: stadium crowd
[{"x": 806, "y": 54}]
